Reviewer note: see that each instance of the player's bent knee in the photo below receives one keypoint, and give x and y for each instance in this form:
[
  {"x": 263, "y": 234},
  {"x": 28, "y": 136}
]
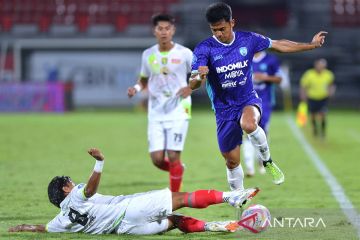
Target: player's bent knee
[
  {"x": 157, "y": 162},
  {"x": 231, "y": 163},
  {"x": 173, "y": 155},
  {"x": 249, "y": 126}
]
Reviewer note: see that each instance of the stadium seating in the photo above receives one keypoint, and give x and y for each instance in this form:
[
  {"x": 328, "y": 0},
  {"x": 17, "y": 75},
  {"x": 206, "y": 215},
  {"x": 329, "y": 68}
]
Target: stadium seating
[{"x": 81, "y": 14}]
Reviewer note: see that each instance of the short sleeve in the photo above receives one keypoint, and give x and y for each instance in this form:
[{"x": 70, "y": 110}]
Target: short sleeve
[
  {"x": 331, "y": 78},
  {"x": 56, "y": 225},
  {"x": 144, "y": 71},
  {"x": 79, "y": 192},
  {"x": 260, "y": 42},
  {"x": 200, "y": 56},
  {"x": 304, "y": 81}
]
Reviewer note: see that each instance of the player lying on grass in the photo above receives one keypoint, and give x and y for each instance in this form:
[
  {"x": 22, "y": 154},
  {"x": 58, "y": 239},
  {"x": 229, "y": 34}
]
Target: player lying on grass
[{"x": 84, "y": 210}]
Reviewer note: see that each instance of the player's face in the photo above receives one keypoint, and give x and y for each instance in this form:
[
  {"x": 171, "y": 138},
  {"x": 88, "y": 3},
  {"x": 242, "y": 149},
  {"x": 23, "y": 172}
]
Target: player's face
[
  {"x": 223, "y": 30},
  {"x": 164, "y": 31}
]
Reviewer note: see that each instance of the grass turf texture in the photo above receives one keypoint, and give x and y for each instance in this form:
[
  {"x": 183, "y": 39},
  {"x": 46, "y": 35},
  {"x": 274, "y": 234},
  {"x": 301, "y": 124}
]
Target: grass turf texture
[{"x": 36, "y": 147}]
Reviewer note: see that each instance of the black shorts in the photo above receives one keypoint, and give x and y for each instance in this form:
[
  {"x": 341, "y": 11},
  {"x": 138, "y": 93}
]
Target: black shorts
[{"x": 316, "y": 106}]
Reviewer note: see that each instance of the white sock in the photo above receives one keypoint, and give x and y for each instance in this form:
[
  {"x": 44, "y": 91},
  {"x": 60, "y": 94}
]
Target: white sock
[
  {"x": 249, "y": 156},
  {"x": 227, "y": 195},
  {"x": 258, "y": 139},
  {"x": 235, "y": 178}
]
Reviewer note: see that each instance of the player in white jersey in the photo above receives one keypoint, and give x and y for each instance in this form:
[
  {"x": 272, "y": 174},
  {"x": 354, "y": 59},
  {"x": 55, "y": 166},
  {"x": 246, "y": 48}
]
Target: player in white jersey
[
  {"x": 84, "y": 210},
  {"x": 164, "y": 70}
]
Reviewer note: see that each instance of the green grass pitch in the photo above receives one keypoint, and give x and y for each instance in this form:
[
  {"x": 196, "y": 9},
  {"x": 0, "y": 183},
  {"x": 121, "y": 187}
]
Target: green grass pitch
[{"x": 36, "y": 147}]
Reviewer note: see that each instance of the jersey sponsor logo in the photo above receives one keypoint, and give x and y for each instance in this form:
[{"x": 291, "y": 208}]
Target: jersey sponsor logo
[
  {"x": 164, "y": 70},
  {"x": 242, "y": 82},
  {"x": 243, "y": 51},
  {"x": 232, "y": 84},
  {"x": 232, "y": 66},
  {"x": 234, "y": 74},
  {"x": 175, "y": 60},
  {"x": 218, "y": 57},
  {"x": 228, "y": 84}
]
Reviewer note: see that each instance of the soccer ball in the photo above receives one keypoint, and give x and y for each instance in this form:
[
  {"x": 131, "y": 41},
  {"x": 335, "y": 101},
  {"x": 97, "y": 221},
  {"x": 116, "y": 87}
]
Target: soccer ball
[{"x": 255, "y": 218}]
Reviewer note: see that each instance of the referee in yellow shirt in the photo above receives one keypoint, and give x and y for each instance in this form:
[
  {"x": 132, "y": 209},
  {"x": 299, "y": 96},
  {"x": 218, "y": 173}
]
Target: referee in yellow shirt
[{"x": 317, "y": 85}]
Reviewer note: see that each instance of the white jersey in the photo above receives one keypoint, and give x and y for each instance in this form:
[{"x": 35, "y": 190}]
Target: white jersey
[
  {"x": 167, "y": 73},
  {"x": 98, "y": 214}
]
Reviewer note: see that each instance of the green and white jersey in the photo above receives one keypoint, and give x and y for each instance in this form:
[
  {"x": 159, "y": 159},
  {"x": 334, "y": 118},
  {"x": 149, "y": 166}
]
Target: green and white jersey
[
  {"x": 98, "y": 214},
  {"x": 167, "y": 73}
]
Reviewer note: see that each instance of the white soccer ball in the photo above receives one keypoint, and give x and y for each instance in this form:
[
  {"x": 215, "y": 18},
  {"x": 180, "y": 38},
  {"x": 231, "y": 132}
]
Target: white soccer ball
[{"x": 255, "y": 218}]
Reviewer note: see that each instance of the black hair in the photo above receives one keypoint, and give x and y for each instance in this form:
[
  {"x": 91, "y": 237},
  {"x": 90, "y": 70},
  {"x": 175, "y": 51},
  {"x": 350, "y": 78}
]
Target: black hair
[
  {"x": 162, "y": 17},
  {"x": 217, "y": 12},
  {"x": 55, "y": 191}
]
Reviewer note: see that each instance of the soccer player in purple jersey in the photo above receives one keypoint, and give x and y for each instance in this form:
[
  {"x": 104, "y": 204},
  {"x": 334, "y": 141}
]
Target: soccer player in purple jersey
[
  {"x": 224, "y": 60},
  {"x": 266, "y": 73}
]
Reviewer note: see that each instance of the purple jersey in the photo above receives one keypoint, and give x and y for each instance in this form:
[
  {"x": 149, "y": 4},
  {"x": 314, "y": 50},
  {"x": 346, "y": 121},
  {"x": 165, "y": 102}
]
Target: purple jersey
[
  {"x": 229, "y": 83},
  {"x": 270, "y": 65}
]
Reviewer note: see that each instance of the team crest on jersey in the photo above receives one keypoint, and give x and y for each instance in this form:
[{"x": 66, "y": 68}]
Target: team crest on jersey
[
  {"x": 164, "y": 60},
  {"x": 243, "y": 51}
]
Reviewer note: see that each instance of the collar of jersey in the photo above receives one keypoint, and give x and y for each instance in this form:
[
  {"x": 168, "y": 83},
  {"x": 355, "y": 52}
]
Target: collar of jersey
[
  {"x": 164, "y": 53},
  {"x": 226, "y": 44}
]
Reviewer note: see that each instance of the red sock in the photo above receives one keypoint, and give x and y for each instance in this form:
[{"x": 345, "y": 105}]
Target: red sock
[
  {"x": 176, "y": 173},
  {"x": 189, "y": 225},
  {"x": 203, "y": 198},
  {"x": 165, "y": 165}
]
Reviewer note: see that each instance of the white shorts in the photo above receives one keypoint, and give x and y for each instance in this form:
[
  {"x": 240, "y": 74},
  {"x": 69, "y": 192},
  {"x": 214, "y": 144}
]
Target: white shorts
[
  {"x": 147, "y": 213},
  {"x": 167, "y": 135}
]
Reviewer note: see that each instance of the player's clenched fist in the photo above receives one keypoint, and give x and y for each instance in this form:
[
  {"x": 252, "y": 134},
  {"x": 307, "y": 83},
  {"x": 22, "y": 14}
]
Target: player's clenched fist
[
  {"x": 319, "y": 38},
  {"x": 131, "y": 92},
  {"x": 203, "y": 71},
  {"x": 96, "y": 153}
]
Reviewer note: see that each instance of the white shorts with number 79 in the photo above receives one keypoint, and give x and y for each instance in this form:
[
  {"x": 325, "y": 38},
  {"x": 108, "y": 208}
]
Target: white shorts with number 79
[{"x": 167, "y": 135}]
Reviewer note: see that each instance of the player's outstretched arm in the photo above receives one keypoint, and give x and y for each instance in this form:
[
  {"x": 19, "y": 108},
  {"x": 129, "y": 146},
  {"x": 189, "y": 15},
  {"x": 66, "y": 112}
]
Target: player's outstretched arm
[
  {"x": 28, "y": 228},
  {"x": 287, "y": 46},
  {"x": 140, "y": 85},
  {"x": 94, "y": 180}
]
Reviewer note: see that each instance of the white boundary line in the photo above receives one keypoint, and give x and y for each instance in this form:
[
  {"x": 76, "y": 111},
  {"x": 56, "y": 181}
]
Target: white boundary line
[{"x": 336, "y": 189}]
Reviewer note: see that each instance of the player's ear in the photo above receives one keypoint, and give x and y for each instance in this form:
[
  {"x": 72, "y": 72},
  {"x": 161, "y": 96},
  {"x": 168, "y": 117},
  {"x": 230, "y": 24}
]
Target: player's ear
[
  {"x": 68, "y": 187},
  {"x": 232, "y": 23}
]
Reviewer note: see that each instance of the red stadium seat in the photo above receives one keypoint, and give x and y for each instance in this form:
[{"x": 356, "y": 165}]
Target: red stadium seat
[
  {"x": 44, "y": 23},
  {"x": 6, "y": 23},
  {"x": 121, "y": 23},
  {"x": 81, "y": 13},
  {"x": 82, "y": 23}
]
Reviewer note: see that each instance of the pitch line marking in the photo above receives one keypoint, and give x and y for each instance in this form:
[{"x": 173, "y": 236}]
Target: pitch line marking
[{"x": 336, "y": 189}]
